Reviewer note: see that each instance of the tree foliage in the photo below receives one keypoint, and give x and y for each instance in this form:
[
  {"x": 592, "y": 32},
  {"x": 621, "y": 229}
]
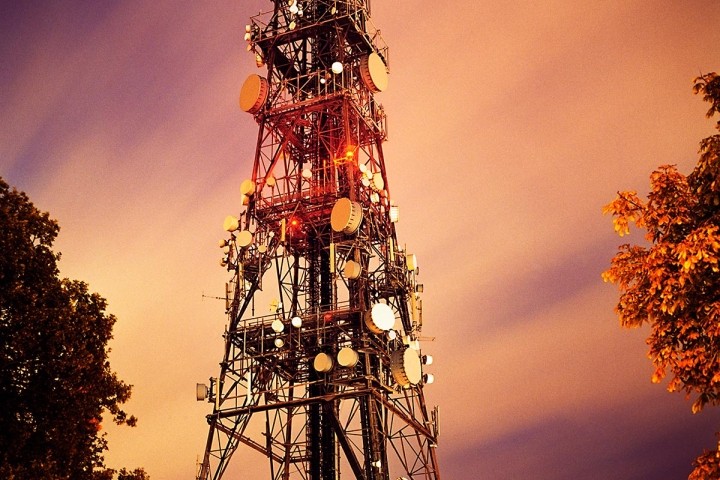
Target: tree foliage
[
  {"x": 55, "y": 378},
  {"x": 707, "y": 466},
  {"x": 137, "y": 474},
  {"x": 672, "y": 282}
]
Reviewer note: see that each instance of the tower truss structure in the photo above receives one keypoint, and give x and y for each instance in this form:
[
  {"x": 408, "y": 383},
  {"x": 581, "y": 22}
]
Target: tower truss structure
[{"x": 328, "y": 384}]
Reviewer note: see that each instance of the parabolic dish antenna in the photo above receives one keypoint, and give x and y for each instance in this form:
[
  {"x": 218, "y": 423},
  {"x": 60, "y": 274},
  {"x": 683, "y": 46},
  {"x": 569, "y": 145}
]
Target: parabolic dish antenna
[
  {"x": 352, "y": 269},
  {"x": 374, "y": 73},
  {"x": 346, "y": 216},
  {"x": 347, "y": 357},
  {"x": 323, "y": 363},
  {"x": 231, "y": 223},
  {"x": 380, "y": 318},
  {"x": 247, "y": 187},
  {"x": 253, "y": 93},
  {"x": 244, "y": 239},
  {"x": 406, "y": 367}
]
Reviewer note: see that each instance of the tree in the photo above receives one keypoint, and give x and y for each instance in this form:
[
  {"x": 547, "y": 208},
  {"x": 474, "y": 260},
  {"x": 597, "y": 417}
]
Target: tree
[
  {"x": 137, "y": 474},
  {"x": 55, "y": 378},
  {"x": 672, "y": 282}
]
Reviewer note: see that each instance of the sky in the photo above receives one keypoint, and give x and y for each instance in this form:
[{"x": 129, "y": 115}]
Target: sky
[{"x": 510, "y": 125}]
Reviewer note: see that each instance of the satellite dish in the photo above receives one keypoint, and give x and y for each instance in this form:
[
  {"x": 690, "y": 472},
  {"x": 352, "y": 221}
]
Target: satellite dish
[
  {"x": 347, "y": 357},
  {"x": 352, "y": 269},
  {"x": 231, "y": 223},
  {"x": 247, "y": 187},
  {"x": 277, "y": 326},
  {"x": 244, "y": 239},
  {"x": 380, "y": 318},
  {"x": 323, "y": 363},
  {"x": 373, "y": 73},
  {"x": 406, "y": 367},
  {"x": 253, "y": 93},
  {"x": 201, "y": 392},
  {"x": 346, "y": 216}
]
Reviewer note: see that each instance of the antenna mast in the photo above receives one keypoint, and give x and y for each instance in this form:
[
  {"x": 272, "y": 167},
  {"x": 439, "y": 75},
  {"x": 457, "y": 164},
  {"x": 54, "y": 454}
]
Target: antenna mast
[{"x": 331, "y": 381}]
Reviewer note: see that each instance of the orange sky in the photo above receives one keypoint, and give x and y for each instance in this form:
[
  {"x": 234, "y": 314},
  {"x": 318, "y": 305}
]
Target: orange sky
[{"x": 510, "y": 123}]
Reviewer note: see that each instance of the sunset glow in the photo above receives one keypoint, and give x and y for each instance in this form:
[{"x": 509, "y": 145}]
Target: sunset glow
[{"x": 510, "y": 126}]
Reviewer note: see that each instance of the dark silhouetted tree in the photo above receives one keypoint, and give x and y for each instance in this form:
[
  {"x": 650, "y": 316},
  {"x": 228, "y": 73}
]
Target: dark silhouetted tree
[
  {"x": 137, "y": 474},
  {"x": 672, "y": 282},
  {"x": 55, "y": 378}
]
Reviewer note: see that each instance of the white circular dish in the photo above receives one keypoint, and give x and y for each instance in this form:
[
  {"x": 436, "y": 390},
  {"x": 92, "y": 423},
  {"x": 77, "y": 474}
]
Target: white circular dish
[
  {"x": 346, "y": 216},
  {"x": 406, "y": 367},
  {"x": 231, "y": 223},
  {"x": 244, "y": 239},
  {"x": 323, "y": 363},
  {"x": 247, "y": 187},
  {"x": 373, "y": 73},
  {"x": 347, "y": 357},
  {"x": 380, "y": 318}
]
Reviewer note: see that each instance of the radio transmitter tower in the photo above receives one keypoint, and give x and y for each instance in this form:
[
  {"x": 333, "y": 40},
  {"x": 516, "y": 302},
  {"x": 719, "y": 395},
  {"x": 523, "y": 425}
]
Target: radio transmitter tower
[{"x": 329, "y": 384}]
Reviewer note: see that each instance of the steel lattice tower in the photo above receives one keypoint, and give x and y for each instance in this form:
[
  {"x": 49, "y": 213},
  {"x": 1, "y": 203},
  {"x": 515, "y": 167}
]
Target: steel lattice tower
[{"x": 331, "y": 381}]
